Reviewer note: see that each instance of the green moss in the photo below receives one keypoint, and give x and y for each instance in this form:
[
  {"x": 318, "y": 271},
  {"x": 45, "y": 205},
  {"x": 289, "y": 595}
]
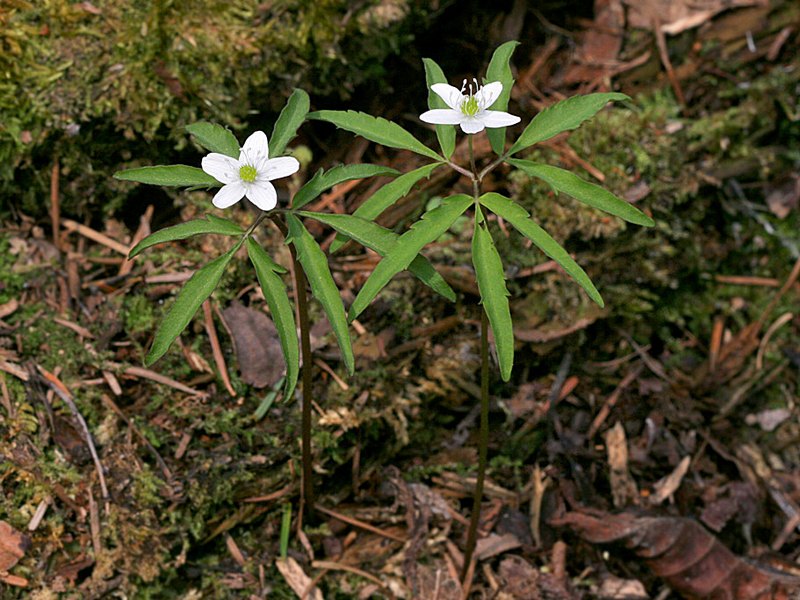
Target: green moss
[
  {"x": 146, "y": 487},
  {"x": 138, "y": 315},
  {"x": 94, "y": 88}
]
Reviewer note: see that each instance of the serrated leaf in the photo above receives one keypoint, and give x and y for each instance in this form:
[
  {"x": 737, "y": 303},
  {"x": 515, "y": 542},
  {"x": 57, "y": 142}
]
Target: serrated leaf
[
  {"x": 433, "y": 224},
  {"x": 169, "y": 175},
  {"x": 563, "y": 116},
  {"x": 520, "y": 219},
  {"x": 290, "y": 119},
  {"x": 445, "y": 133},
  {"x": 375, "y": 129},
  {"x": 210, "y": 224},
  {"x": 494, "y": 295},
  {"x": 386, "y": 196},
  {"x": 192, "y": 295},
  {"x": 500, "y": 70},
  {"x": 315, "y": 265},
  {"x": 381, "y": 240},
  {"x": 322, "y": 180},
  {"x": 280, "y": 308},
  {"x": 215, "y": 138},
  {"x": 583, "y": 191}
]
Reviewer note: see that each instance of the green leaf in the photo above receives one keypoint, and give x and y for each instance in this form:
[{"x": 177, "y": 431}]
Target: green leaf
[
  {"x": 500, "y": 70},
  {"x": 169, "y": 175},
  {"x": 381, "y": 240},
  {"x": 521, "y": 221},
  {"x": 494, "y": 295},
  {"x": 323, "y": 180},
  {"x": 280, "y": 308},
  {"x": 191, "y": 296},
  {"x": 562, "y": 116},
  {"x": 433, "y": 224},
  {"x": 386, "y": 196},
  {"x": 215, "y": 138},
  {"x": 375, "y": 129},
  {"x": 445, "y": 133},
  {"x": 583, "y": 191},
  {"x": 210, "y": 224},
  {"x": 290, "y": 119},
  {"x": 315, "y": 265}
]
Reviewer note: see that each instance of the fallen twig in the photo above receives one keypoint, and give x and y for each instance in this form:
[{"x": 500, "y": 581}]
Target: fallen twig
[{"x": 62, "y": 392}]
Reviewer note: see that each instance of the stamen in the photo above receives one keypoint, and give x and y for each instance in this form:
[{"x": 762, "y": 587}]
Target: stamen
[{"x": 248, "y": 173}]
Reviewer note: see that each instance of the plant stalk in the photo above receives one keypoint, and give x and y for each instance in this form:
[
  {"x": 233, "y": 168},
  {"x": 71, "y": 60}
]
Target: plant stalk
[
  {"x": 307, "y": 484},
  {"x": 307, "y": 490},
  {"x": 483, "y": 439},
  {"x": 483, "y": 447}
]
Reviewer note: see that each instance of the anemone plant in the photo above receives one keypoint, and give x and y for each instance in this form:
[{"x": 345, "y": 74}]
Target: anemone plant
[
  {"x": 473, "y": 108},
  {"x": 247, "y": 172}
]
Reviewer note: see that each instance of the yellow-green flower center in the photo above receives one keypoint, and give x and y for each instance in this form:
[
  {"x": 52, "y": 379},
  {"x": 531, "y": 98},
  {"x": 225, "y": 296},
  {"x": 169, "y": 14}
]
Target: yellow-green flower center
[
  {"x": 470, "y": 106},
  {"x": 247, "y": 173}
]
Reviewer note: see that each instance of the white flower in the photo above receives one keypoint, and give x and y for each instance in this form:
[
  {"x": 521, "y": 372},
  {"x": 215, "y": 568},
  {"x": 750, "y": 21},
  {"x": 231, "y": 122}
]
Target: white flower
[
  {"x": 469, "y": 110},
  {"x": 250, "y": 175}
]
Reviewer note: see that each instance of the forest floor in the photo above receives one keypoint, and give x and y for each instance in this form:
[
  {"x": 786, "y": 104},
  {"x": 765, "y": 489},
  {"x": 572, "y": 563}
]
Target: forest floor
[{"x": 646, "y": 451}]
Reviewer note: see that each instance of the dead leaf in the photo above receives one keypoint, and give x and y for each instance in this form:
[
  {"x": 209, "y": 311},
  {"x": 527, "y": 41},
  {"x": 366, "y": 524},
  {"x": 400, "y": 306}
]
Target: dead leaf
[
  {"x": 13, "y": 546},
  {"x": 70, "y": 440},
  {"x": 737, "y": 500},
  {"x": 689, "y": 558},
  {"x": 615, "y": 588},
  {"x": 675, "y": 16},
  {"x": 435, "y": 581},
  {"x": 783, "y": 198},
  {"x": 623, "y": 487},
  {"x": 769, "y": 419},
  {"x": 8, "y": 308},
  {"x": 524, "y": 582},
  {"x": 297, "y": 579},
  {"x": 257, "y": 346},
  {"x": 494, "y": 544},
  {"x": 600, "y": 43},
  {"x": 664, "y": 488}
]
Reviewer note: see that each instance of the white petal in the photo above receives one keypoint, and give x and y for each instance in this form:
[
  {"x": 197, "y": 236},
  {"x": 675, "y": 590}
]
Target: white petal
[
  {"x": 275, "y": 168},
  {"x": 451, "y": 96},
  {"x": 256, "y": 149},
  {"x": 262, "y": 194},
  {"x": 489, "y": 94},
  {"x": 471, "y": 125},
  {"x": 442, "y": 116},
  {"x": 222, "y": 168},
  {"x": 498, "y": 118},
  {"x": 229, "y": 195}
]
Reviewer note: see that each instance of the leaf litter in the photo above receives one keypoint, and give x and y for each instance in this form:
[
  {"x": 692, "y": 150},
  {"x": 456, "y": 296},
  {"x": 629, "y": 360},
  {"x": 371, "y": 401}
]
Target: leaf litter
[{"x": 696, "y": 419}]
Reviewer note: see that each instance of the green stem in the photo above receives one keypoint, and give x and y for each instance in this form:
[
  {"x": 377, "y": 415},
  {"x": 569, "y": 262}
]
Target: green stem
[
  {"x": 491, "y": 166},
  {"x": 483, "y": 447},
  {"x": 483, "y": 440},
  {"x": 472, "y": 158}
]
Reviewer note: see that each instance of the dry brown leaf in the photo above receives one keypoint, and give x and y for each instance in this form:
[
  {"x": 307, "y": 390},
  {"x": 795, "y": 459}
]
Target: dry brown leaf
[
  {"x": 13, "y": 546},
  {"x": 623, "y": 487},
  {"x": 664, "y": 488},
  {"x": 435, "y": 581},
  {"x": 676, "y": 16},
  {"x": 297, "y": 579},
  {"x": 689, "y": 558},
  {"x": 494, "y": 544},
  {"x": 600, "y": 45},
  {"x": 784, "y": 197},
  {"x": 257, "y": 346},
  {"x": 524, "y": 582},
  {"x": 615, "y": 588}
]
